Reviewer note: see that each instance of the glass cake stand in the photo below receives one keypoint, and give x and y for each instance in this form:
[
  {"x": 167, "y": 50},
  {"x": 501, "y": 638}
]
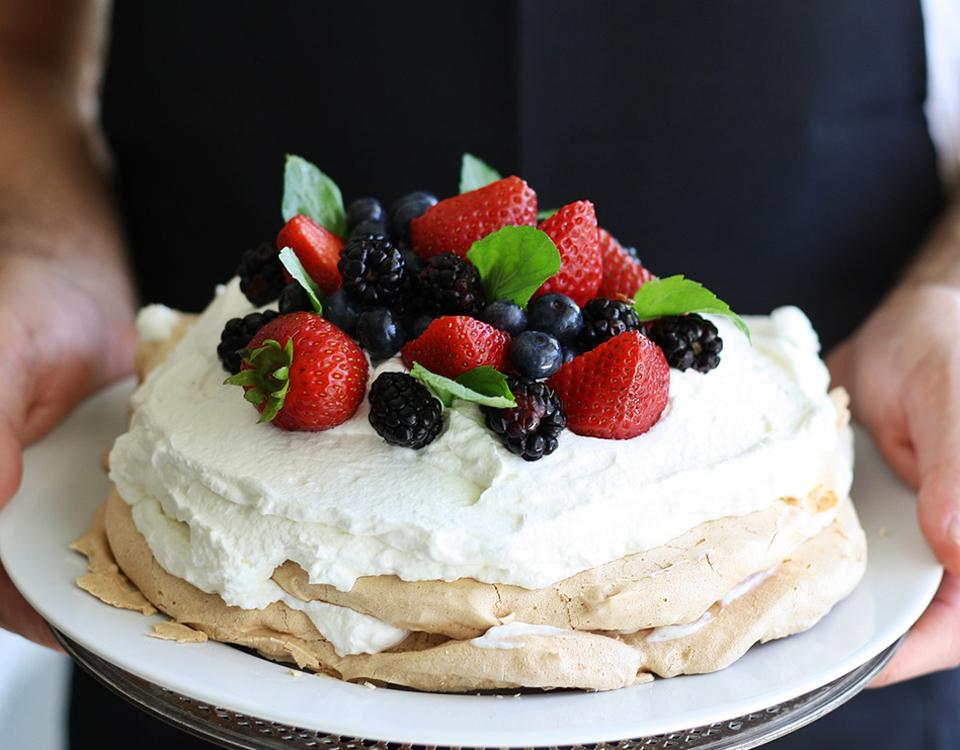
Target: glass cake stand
[{"x": 234, "y": 730}]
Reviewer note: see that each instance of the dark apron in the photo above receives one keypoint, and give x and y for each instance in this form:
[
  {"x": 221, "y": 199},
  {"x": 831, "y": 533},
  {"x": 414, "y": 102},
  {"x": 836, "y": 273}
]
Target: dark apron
[{"x": 775, "y": 150}]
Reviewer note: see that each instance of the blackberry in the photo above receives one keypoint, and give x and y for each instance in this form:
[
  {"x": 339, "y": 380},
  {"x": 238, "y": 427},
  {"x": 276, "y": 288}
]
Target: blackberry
[
  {"x": 449, "y": 285},
  {"x": 403, "y": 412},
  {"x": 236, "y": 335},
  {"x": 603, "y": 319},
  {"x": 372, "y": 269},
  {"x": 687, "y": 341},
  {"x": 530, "y": 429},
  {"x": 261, "y": 274}
]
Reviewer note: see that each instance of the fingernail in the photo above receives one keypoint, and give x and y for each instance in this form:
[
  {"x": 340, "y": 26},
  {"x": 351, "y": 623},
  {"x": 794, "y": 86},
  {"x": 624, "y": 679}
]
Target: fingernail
[{"x": 953, "y": 528}]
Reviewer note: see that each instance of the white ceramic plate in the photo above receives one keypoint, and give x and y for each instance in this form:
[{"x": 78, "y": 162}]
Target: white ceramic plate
[{"x": 64, "y": 483}]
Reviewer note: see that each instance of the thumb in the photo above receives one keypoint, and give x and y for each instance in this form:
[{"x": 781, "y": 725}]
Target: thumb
[{"x": 934, "y": 418}]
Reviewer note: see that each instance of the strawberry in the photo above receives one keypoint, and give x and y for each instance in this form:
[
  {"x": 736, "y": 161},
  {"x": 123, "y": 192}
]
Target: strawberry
[
  {"x": 622, "y": 273},
  {"x": 453, "y": 344},
  {"x": 573, "y": 230},
  {"x": 303, "y": 373},
  {"x": 454, "y": 224},
  {"x": 317, "y": 249},
  {"x": 616, "y": 391}
]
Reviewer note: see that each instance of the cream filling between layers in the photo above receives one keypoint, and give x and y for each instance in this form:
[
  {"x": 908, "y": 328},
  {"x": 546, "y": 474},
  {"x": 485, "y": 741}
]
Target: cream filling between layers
[{"x": 344, "y": 504}]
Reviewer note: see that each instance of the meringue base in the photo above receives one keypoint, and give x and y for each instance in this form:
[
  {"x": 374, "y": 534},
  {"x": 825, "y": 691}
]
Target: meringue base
[{"x": 790, "y": 598}]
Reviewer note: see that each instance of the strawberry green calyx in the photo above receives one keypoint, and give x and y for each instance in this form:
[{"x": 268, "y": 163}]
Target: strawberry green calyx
[{"x": 267, "y": 379}]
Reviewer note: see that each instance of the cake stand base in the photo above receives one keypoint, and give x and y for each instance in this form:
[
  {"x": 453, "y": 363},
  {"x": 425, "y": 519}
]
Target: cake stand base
[{"x": 233, "y": 730}]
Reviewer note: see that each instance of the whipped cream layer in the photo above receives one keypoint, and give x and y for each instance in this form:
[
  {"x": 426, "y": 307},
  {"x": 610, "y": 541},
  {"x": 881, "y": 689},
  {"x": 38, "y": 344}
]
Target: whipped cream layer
[{"x": 343, "y": 503}]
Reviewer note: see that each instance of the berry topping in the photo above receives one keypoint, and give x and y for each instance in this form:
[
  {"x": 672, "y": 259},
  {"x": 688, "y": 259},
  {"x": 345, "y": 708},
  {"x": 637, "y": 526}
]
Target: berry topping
[
  {"x": 454, "y": 224},
  {"x": 448, "y": 285},
  {"x": 505, "y": 315},
  {"x": 372, "y": 270},
  {"x": 622, "y": 271},
  {"x": 303, "y": 373},
  {"x": 415, "y": 325},
  {"x": 317, "y": 249},
  {"x": 294, "y": 298},
  {"x": 236, "y": 335},
  {"x": 340, "y": 310},
  {"x": 557, "y": 315},
  {"x": 616, "y": 391},
  {"x": 531, "y": 429},
  {"x": 261, "y": 275},
  {"x": 379, "y": 332},
  {"x": 365, "y": 210},
  {"x": 453, "y": 344},
  {"x": 536, "y": 354},
  {"x": 603, "y": 319},
  {"x": 687, "y": 341},
  {"x": 407, "y": 208},
  {"x": 403, "y": 411},
  {"x": 573, "y": 230}
]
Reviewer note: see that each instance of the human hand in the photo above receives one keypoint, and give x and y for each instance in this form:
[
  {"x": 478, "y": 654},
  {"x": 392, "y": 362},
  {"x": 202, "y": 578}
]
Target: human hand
[
  {"x": 67, "y": 331},
  {"x": 902, "y": 369}
]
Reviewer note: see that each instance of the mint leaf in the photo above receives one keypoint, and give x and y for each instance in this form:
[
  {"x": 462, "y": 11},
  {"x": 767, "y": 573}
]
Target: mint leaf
[
  {"x": 481, "y": 385},
  {"x": 475, "y": 174},
  {"x": 514, "y": 262},
  {"x": 546, "y": 213},
  {"x": 676, "y": 295},
  {"x": 308, "y": 191},
  {"x": 295, "y": 268}
]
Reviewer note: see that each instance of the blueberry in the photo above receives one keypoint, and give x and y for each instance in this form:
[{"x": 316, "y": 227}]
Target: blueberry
[
  {"x": 505, "y": 315},
  {"x": 569, "y": 353},
  {"x": 536, "y": 354},
  {"x": 557, "y": 315},
  {"x": 379, "y": 332},
  {"x": 340, "y": 310},
  {"x": 408, "y": 207},
  {"x": 414, "y": 325},
  {"x": 365, "y": 209},
  {"x": 294, "y": 298},
  {"x": 370, "y": 228}
]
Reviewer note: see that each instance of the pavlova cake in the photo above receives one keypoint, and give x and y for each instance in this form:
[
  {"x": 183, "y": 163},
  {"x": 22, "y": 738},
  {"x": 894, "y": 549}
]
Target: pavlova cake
[{"x": 465, "y": 445}]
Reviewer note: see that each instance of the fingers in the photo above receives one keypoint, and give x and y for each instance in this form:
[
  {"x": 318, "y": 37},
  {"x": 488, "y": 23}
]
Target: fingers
[
  {"x": 933, "y": 643},
  {"x": 933, "y": 411},
  {"x": 19, "y": 617}
]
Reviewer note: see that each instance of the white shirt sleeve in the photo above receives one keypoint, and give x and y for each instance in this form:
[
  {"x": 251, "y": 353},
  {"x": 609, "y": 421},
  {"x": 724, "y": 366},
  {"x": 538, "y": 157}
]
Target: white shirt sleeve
[{"x": 941, "y": 21}]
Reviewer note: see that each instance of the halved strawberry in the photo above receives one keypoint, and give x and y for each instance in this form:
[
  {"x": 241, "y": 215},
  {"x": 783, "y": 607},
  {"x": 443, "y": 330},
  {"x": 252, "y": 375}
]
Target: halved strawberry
[
  {"x": 573, "y": 230},
  {"x": 622, "y": 273},
  {"x": 616, "y": 391},
  {"x": 454, "y": 224},
  {"x": 453, "y": 344},
  {"x": 317, "y": 249},
  {"x": 323, "y": 371}
]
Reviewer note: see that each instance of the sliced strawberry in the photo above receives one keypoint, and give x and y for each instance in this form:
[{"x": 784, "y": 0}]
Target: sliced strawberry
[
  {"x": 454, "y": 224},
  {"x": 622, "y": 273},
  {"x": 616, "y": 391},
  {"x": 453, "y": 344},
  {"x": 573, "y": 230},
  {"x": 317, "y": 249},
  {"x": 327, "y": 373}
]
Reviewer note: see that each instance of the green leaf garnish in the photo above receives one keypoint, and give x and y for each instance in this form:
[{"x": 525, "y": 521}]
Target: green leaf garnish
[
  {"x": 268, "y": 378},
  {"x": 295, "y": 268},
  {"x": 481, "y": 385},
  {"x": 676, "y": 295},
  {"x": 474, "y": 173},
  {"x": 546, "y": 213},
  {"x": 308, "y": 191},
  {"x": 514, "y": 262}
]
